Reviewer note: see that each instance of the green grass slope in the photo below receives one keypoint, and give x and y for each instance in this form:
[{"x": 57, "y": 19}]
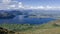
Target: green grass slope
[{"x": 52, "y": 27}]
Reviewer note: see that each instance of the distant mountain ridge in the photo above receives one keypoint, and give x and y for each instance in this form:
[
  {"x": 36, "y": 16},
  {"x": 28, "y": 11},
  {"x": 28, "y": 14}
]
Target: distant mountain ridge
[{"x": 44, "y": 13}]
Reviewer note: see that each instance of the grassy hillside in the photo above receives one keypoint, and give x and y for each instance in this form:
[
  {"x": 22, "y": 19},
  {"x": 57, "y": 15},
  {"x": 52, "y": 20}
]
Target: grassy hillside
[
  {"x": 49, "y": 28},
  {"x": 52, "y": 27},
  {"x": 19, "y": 27}
]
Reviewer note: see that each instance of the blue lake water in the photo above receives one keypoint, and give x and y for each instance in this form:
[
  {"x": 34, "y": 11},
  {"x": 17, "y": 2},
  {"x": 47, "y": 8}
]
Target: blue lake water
[{"x": 22, "y": 20}]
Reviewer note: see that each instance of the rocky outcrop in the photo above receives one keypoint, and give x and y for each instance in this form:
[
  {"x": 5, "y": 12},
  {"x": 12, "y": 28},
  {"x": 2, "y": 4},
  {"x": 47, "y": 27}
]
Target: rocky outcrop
[{"x": 6, "y": 31}]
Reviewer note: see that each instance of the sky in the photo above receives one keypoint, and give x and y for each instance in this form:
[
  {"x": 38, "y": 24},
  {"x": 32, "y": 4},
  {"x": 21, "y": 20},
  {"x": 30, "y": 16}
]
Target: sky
[
  {"x": 30, "y": 4},
  {"x": 41, "y": 2}
]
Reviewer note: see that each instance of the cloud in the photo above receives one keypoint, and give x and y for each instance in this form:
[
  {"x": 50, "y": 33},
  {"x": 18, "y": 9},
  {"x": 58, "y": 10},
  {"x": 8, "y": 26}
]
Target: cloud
[
  {"x": 52, "y": 7},
  {"x": 6, "y": 1},
  {"x": 9, "y": 4},
  {"x": 40, "y": 7},
  {"x": 45, "y": 7},
  {"x": 20, "y": 5},
  {"x": 12, "y": 6}
]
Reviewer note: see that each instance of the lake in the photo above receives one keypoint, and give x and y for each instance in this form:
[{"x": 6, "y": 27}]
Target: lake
[{"x": 21, "y": 20}]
